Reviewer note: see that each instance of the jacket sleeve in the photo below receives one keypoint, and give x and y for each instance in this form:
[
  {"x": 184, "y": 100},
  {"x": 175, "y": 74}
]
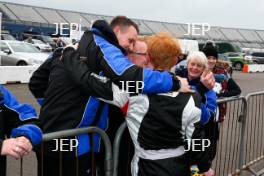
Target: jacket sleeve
[
  {"x": 209, "y": 106},
  {"x": 39, "y": 81},
  {"x": 20, "y": 118},
  {"x": 233, "y": 89},
  {"x": 195, "y": 132},
  {"x": 120, "y": 98},
  {"x": 93, "y": 84},
  {"x": 118, "y": 68}
]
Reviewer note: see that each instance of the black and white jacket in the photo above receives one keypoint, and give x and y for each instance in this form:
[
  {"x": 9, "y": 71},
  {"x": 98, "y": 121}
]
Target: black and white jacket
[{"x": 159, "y": 125}]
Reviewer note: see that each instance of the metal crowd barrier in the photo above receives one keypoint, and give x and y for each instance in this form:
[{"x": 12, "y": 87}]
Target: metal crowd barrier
[
  {"x": 240, "y": 145},
  {"x": 253, "y": 148},
  {"x": 228, "y": 160},
  {"x": 108, "y": 160},
  {"x": 228, "y": 155},
  {"x": 116, "y": 146},
  {"x": 73, "y": 132}
]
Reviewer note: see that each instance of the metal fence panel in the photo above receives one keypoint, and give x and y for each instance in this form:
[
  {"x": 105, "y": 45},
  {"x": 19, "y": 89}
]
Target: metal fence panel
[
  {"x": 240, "y": 144},
  {"x": 254, "y": 132},
  {"x": 108, "y": 161},
  {"x": 227, "y": 158},
  {"x": 228, "y": 150}
]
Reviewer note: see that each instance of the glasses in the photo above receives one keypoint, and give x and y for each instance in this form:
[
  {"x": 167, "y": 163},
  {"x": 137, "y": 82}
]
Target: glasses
[{"x": 138, "y": 53}]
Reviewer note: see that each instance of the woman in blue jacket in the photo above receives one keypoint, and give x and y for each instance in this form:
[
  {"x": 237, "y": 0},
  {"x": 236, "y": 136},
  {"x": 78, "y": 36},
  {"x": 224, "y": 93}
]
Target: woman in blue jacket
[{"x": 195, "y": 72}]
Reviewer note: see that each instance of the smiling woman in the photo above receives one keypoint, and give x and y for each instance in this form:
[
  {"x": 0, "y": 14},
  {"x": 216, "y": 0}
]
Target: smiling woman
[{"x": 197, "y": 63}]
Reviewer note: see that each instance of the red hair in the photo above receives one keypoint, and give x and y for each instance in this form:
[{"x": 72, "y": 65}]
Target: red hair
[{"x": 163, "y": 50}]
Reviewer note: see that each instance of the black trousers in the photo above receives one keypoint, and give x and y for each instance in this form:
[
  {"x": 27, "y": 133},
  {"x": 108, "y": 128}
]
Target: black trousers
[
  {"x": 212, "y": 133},
  {"x": 83, "y": 165},
  {"x": 176, "y": 166}
]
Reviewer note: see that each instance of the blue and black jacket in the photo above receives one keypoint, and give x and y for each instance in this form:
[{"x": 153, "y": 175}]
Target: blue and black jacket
[
  {"x": 67, "y": 105},
  {"x": 209, "y": 98},
  {"x": 16, "y": 119}
]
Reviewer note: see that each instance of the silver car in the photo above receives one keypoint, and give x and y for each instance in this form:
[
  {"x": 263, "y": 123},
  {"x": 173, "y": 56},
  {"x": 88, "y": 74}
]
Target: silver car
[
  {"x": 43, "y": 47},
  {"x": 20, "y": 53}
]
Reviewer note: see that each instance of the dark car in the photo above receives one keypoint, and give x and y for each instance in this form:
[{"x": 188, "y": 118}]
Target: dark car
[
  {"x": 257, "y": 57},
  {"x": 224, "y": 47},
  {"x": 7, "y": 37}
]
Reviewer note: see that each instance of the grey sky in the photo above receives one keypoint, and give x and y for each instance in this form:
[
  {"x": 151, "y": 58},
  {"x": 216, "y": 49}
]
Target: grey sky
[{"x": 226, "y": 13}]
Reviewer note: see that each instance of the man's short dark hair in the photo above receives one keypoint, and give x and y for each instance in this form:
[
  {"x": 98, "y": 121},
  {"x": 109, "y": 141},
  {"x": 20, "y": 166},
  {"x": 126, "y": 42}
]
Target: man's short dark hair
[{"x": 123, "y": 21}]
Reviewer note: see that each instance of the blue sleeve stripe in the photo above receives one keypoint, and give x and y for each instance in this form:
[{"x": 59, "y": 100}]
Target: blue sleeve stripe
[
  {"x": 40, "y": 101},
  {"x": 156, "y": 82},
  {"x": 84, "y": 143},
  {"x": 211, "y": 100},
  {"x": 24, "y": 111},
  {"x": 113, "y": 56},
  {"x": 89, "y": 112},
  {"x": 205, "y": 115},
  {"x": 88, "y": 117},
  {"x": 32, "y": 132}
]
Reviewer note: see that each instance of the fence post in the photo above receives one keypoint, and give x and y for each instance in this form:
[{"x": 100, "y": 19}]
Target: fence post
[
  {"x": 242, "y": 119},
  {"x": 116, "y": 146},
  {"x": 74, "y": 132}
]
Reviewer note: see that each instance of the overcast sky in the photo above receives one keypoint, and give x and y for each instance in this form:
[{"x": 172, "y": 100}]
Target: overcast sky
[{"x": 225, "y": 13}]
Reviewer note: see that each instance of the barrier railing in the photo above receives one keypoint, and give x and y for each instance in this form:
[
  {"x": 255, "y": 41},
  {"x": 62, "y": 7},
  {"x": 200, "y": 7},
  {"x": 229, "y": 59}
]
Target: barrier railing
[
  {"x": 108, "y": 160},
  {"x": 11, "y": 74},
  {"x": 254, "y": 131},
  {"x": 116, "y": 146},
  {"x": 228, "y": 154},
  {"x": 108, "y": 148},
  {"x": 240, "y": 145}
]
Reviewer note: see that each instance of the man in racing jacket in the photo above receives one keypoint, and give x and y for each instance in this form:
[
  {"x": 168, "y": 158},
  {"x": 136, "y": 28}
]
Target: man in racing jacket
[
  {"x": 66, "y": 106},
  {"x": 159, "y": 124},
  {"x": 16, "y": 120}
]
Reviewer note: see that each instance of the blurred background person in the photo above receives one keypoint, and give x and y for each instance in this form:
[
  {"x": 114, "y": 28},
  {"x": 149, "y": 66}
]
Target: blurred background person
[{"x": 225, "y": 86}]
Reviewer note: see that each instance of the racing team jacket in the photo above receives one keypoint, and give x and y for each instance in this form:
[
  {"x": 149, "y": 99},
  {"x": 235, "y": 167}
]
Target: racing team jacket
[
  {"x": 16, "y": 120},
  {"x": 158, "y": 125},
  {"x": 65, "y": 105}
]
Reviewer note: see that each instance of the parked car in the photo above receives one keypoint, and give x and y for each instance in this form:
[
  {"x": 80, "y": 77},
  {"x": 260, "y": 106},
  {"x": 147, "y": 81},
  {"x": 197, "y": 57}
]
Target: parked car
[
  {"x": 43, "y": 47},
  {"x": 7, "y": 37},
  {"x": 238, "y": 60},
  {"x": 46, "y": 39},
  {"x": 20, "y": 53},
  {"x": 257, "y": 57},
  {"x": 43, "y": 38},
  {"x": 232, "y": 52}
]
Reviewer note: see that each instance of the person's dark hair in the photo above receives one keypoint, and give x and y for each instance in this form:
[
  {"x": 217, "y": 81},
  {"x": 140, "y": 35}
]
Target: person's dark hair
[
  {"x": 123, "y": 21},
  {"x": 210, "y": 49}
]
